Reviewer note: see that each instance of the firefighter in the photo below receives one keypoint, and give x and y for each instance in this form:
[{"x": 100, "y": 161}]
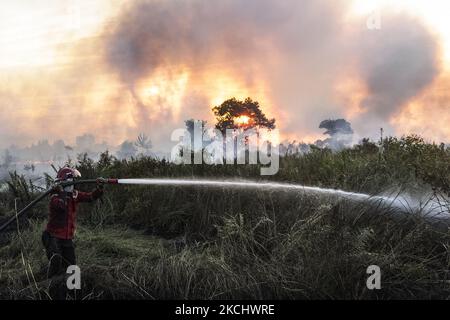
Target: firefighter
[{"x": 58, "y": 235}]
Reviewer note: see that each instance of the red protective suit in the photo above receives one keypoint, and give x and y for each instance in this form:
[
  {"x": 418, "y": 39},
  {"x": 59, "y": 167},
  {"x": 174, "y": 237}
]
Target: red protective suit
[{"x": 63, "y": 212}]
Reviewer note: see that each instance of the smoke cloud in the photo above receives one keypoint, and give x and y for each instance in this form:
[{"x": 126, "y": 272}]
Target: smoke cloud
[
  {"x": 396, "y": 65},
  {"x": 157, "y": 63},
  {"x": 299, "y": 50}
]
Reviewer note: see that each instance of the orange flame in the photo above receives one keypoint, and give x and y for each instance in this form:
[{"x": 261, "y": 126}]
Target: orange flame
[{"x": 242, "y": 120}]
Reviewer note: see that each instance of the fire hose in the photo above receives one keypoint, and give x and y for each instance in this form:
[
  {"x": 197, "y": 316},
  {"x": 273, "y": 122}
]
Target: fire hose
[
  {"x": 436, "y": 214},
  {"x": 49, "y": 191}
]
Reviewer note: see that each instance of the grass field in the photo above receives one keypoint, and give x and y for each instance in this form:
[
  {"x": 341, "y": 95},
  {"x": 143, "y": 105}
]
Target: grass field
[{"x": 188, "y": 243}]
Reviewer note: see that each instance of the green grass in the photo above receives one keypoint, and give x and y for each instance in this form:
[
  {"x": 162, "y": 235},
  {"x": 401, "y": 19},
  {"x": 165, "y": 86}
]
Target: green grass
[
  {"x": 198, "y": 243},
  {"x": 322, "y": 256}
]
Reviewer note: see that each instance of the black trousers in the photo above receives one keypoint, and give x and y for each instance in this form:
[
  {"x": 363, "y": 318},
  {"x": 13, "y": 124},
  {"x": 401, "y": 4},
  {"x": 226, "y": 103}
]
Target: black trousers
[{"x": 60, "y": 253}]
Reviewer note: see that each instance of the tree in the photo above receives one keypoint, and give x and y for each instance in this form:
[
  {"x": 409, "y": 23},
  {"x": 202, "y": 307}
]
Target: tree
[
  {"x": 190, "y": 125},
  {"x": 8, "y": 159},
  {"x": 235, "y": 114},
  {"x": 340, "y": 132},
  {"x": 59, "y": 150},
  {"x": 339, "y": 126},
  {"x": 143, "y": 144},
  {"x": 127, "y": 150}
]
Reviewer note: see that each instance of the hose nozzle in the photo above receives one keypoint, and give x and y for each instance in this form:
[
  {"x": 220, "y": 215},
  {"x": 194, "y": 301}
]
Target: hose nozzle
[{"x": 106, "y": 181}]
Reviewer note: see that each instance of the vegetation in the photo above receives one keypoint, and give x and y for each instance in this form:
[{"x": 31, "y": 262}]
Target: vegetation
[
  {"x": 186, "y": 243},
  {"x": 231, "y": 110}
]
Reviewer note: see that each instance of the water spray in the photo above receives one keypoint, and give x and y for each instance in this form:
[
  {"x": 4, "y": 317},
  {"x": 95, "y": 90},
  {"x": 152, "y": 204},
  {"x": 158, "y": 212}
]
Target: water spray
[{"x": 396, "y": 203}]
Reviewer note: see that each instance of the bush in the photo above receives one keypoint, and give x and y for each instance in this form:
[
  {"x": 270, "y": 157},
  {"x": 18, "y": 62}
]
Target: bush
[{"x": 185, "y": 243}]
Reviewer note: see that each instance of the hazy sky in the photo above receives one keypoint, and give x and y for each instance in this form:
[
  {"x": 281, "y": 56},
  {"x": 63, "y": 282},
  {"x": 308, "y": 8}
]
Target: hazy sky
[{"x": 116, "y": 68}]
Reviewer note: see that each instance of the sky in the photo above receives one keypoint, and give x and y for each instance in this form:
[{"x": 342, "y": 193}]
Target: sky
[{"x": 118, "y": 68}]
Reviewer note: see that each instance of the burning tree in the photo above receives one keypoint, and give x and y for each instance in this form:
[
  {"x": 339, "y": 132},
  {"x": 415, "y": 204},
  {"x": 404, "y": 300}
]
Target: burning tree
[
  {"x": 240, "y": 115},
  {"x": 235, "y": 114}
]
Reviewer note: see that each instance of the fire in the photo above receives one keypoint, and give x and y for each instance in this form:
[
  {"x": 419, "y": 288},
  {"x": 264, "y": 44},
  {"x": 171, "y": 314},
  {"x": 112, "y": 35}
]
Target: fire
[
  {"x": 153, "y": 91},
  {"x": 242, "y": 120}
]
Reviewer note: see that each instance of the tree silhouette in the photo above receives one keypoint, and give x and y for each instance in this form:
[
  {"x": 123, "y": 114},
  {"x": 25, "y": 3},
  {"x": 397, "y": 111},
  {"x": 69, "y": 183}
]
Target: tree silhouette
[
  {"x": 232, "y": 110},
  {"x": 339, "y": 126},
  {"x": 143, "y": 141},
  {"x": 127, "y": 150}
]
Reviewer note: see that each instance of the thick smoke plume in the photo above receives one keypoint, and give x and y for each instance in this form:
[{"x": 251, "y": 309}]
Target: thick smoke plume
[
  {"x": 396, "y": 65},
  {"x": 157, "y": 63},
  {"x": 299, "y": 50}
]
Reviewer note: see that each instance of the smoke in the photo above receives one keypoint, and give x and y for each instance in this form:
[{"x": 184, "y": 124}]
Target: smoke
[
  {"x": 285, "y": 46},
  {"x": 157, "y": 63},
  {"x": 162, "y": 39},
  {"x": 195, "y": 34},
  {"x": 429, "y": 113},
  {"x": 299, "y": 50},
  {"x": 340, "y": 132},
  {"x": 396, "y": 64}
]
